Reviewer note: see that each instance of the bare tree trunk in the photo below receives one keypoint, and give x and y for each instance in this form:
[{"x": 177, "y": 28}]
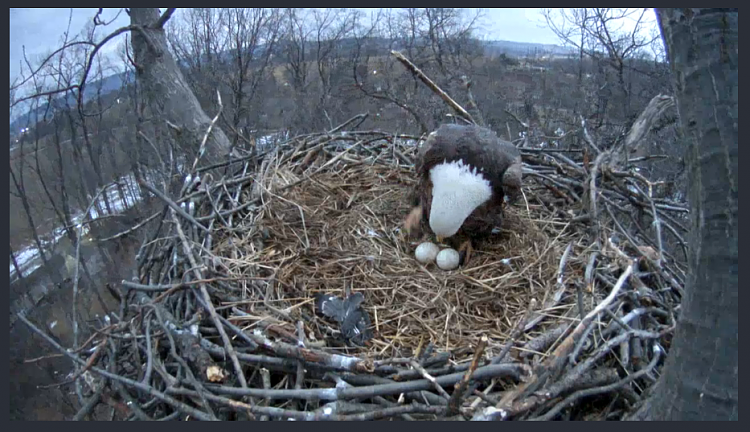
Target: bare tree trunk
[
  {"x": 165, "y": 88},
  {"x": 14, "y": 261},
  {"x": 27, "y": 209},
  {"x": 84, "y": 193},
  {"x": 95, "y": 164},
  {"x": 701, "y": 378},
  {"x": 43, "y": 182},
  {"x": 64, "y": 196}
]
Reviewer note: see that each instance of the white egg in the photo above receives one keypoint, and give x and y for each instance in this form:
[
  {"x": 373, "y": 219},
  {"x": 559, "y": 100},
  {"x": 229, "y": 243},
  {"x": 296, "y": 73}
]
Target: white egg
[
  {"x": 447, "y": 259},
  {"x": 426, "y": 252}
]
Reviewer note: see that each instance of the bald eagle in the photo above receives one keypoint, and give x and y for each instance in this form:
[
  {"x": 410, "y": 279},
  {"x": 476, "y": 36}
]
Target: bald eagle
[{"x": 464, "y": 174}]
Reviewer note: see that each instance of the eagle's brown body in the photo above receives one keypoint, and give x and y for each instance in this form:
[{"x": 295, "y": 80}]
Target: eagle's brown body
[{"x": 498, "y": 161}]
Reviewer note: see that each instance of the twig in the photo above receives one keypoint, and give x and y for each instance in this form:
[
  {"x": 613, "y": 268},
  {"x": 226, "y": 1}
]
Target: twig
[
  {"x": 570, "y": 400},
  {"x": 45, "y": 357},
  {"x": 321, "y": 415},
  {"x": 207, "y": 299},
  {"x": 559, "y": 357},
  {"x": 557, "y": 296},
  {"x": 359, "y": 117},
  {"x": 482, "y": 396},
  {"x": 561, "y": 267},
  {"x": 485, "y": 372},
  {"x": 592, "y": 378},
  {"x": 202, "y": 148},
  {"x": 431, "y": 379},
  {"x": 460, "y": 387},
  {"x": 592, "y": 186},
  {"x": 266, "y": 378},
  {"x": 300, "y": 378},
  {"x": 632, "y": 315},
  {"x": 434, "y": 87},
  {"x": 603, "y": 350},
  {"x": 183, "y": 284},
  {"x": 604, "y": 303},
  {"x": 91, "y": 403},
  {"x": 589, "y": 276},
  {"x": 543, "y": 341},
  {"x": 336, "y": 361},
  {"x": 581, "y": 343},
  {"x": 149, "y": 354},
  {"x": 517, "y": 330},
  {"x": 437, "y": 371},
  {"x": 518, "y": 120},
  {"x": 172, "y": 205},
  {"x": 588, "y": 138},
  {"x": 79, "y": 236},
  {"x": 130, "y": 230},
  {"x": 657, "y": 225},
  {"x": 150, "y": 390}
]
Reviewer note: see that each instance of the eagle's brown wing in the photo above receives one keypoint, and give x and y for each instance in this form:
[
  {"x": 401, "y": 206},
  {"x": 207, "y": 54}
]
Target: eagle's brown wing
[
  {"x": 415, "y": 223},
  {"x": 498, "y": 160},
  {"x": 474, "y": 145}
]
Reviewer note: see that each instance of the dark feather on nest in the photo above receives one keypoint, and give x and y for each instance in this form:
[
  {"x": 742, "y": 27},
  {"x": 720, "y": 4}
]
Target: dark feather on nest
[{"x": 354, "y": 320}]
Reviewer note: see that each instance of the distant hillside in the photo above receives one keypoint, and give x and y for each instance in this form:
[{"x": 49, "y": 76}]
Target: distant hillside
[
  {"x": 372, "y": 46},
  {"x": 106, "y": 85},
  {"x": 523, "y": 49}
]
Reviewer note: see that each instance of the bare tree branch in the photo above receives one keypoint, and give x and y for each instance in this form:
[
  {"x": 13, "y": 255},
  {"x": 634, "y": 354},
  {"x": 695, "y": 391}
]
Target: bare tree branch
[{"x": 164, "y": 18}]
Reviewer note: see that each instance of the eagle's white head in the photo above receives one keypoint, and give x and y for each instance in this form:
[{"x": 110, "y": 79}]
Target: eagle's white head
[{"x": 457, "y": 189}]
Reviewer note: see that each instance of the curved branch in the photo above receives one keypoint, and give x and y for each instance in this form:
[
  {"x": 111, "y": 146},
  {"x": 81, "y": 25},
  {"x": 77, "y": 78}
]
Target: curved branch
[
  {"x": 87, "y": 68},
  {"x": 164, "y": 18},
  {"x": 571, "y": 399},
  {"x": 44, "y": 62},
  {"x": 90, "y": 60}
]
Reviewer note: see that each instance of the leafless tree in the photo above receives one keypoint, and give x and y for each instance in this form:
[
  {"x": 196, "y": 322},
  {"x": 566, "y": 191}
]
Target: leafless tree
[
  {"x": 619, "y": 68},
  {"x": 331, "y": 27},
  {"x": 19, "y": 186},
  {"x": 164, "y": 87},
  {"x": 295, "y": 51},
  {"x": 438, "y": 42},
  {"x": 611, "y": 37},
  {"x": 197, "y": 37},
  {"x": 253, "y": 34}
]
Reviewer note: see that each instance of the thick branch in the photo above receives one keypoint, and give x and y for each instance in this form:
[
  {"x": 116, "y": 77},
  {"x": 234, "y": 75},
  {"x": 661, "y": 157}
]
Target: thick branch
[{"x": 164, "y": 18}]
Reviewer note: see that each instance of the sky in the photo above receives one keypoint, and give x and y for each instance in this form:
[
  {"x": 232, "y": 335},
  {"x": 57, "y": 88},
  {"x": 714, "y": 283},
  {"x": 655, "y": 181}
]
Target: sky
[
  {"x": 518, "y": 25},
  {"x": 40, "y": 30}
]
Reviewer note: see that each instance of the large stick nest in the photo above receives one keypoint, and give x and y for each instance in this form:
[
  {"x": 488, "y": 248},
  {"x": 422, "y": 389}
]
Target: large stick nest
[{"x": 566, "y": 312}]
